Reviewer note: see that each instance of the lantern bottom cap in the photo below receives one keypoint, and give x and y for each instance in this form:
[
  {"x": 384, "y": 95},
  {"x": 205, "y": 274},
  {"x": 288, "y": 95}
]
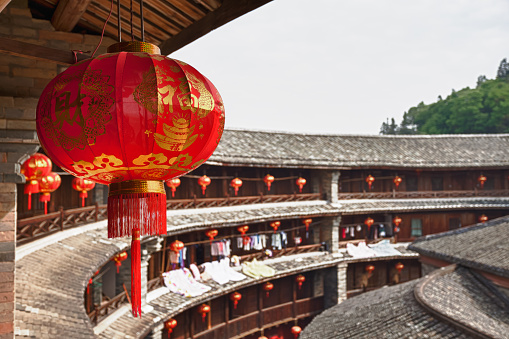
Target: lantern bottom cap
[{"x": 136, "y": 186}]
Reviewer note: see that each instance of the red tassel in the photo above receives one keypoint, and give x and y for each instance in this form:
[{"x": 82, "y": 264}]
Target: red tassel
[
  {"x": 31, "y": 187},
  {"x": 83, "y": 195},
  {"x": 136, "y": 273},
  {"x": 29, "y": 201},
  {"x": 45, "y": 207},
  {"x": 144, "y": 211}
]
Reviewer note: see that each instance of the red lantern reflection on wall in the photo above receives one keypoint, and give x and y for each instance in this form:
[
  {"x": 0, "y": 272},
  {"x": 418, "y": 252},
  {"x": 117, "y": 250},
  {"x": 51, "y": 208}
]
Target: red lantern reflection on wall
[
  {"x": 300, "y": 182},
  {"x": 275, "y": 225},
  {"x": 204, "y": 181},
  {"x": 268, "y": 180},
  {"x": 296, "y": 331},
  {"x": 204, "y": 310},
  {"x": 370, "y": 180},
  {"x": 482, "y": 179},
  {"x": 48, "y": 184},
  {"x": 169, "y": 325},
  {"x": 34, "y": 168},
  {"x": 397, "y": 180},
  {"x": 173, "y": 184},
  {"x": 131, "y": 120},
  {"x": 83, "y": 186},
  {"x": 236, "y": 184},
  {"x": 118, "y": 260},
  {"x": 267, "y": 287},
  {"x": 235, "y": 297}
]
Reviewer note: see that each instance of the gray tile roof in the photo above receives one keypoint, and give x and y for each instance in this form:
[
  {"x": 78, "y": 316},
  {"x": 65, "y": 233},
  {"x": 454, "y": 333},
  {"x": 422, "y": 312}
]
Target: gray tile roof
[
  {"x": 483, "y": 246},
  {"x": 411, "y": 205},
  {"x": 430, "y": 307},
  {"x": 51, "y": 279},
  {"x": 279, "y": 149}
]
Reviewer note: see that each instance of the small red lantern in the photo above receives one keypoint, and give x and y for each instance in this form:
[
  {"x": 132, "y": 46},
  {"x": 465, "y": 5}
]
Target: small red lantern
[
  {"x": 397, "y": 180},
  {"x": 368, "y": 222},
  {"x": 307, "y": 222},
  {"x": 204, "y": 181},
  {"x": 173, "y": 184},
  {"x": 176, "y": 246},
  {"x": 296, "y": 331},
  {"x": 275, "y": 225},
  {"x": 36, "y": 167},
  {"x": 236, "y": 184},
  {"x": 90, "y": 281},
  {"x": 399, "y": 266},
  {"x": 370, "y": 180},
  {"x": 482, "y": 179},
  {"x": 483, "y": 218},
  {"x": 235, "y": 297},
  {"x": 83, "y": 186},
  {"x": 267, "y": 287},
  {"x": 268, "y": 180},
  {"x": 370, "y": 269},
  {"x": 47, "y": 185},
  {"x": 300, "y": 182},
  {"x": 243, "y": 229},
  {"x": 169, "y": 325},
  {"x": 119, "y": 258},
  {"x": 211, "y": 234},
  {"x": 203, "y": 310},
  {"x": 131, "y": 119},
  {"x": 300, "y": 280},
  {"x": 397, "y": 220}
]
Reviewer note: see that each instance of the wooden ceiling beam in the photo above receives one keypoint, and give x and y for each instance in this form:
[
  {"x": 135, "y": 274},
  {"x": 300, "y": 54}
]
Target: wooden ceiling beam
[
  {"x": 37, "y": 52},
  {"x": 229, "y": 10},
  {"x": 68, "y": 13},
  {"x": 3, "y": 4}
]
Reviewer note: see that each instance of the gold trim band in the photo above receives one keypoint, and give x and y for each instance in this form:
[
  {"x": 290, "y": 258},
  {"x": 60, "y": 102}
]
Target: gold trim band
[
  {"x": 136, "y": 186},
  {"x": 134, "y": 46}
]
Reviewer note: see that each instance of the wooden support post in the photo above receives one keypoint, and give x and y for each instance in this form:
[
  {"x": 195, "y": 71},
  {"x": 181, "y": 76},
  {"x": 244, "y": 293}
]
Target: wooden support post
[
  {"x": 61, "y": 218},
  {"x": 96, "y": 216},
  {"x": 227, "y": 317}
]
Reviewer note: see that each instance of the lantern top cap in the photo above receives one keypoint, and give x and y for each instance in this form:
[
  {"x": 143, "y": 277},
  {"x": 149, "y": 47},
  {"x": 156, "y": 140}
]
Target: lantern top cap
[{"x": 134, "y": 46}]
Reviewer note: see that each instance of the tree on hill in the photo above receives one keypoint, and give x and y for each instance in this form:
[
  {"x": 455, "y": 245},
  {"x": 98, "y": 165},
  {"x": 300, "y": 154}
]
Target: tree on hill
[{"x": 484, "y": 109}]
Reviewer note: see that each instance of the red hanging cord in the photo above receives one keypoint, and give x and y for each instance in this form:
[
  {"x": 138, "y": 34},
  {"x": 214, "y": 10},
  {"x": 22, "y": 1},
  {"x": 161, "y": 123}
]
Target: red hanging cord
[{"x": 104, "y": 28}]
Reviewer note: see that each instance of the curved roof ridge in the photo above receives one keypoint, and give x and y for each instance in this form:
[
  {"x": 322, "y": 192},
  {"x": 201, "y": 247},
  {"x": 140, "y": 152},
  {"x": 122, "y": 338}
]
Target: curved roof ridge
[{"x": 427, "y": 293}]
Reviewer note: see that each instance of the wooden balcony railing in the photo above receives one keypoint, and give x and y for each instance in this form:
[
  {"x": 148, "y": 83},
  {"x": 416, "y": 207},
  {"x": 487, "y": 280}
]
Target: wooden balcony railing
[
  {"x": 102, "y": 311},
  {"x": 424, "y": 194},
  {"x": 30, "y": 229},
  {"x": 283, "y": 252}
]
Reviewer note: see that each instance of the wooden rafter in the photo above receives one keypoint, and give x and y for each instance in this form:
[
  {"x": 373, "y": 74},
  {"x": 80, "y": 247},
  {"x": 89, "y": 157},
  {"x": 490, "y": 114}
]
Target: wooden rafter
[
  {"x": 3, "y": 4},
  {"x": 229, "y": 10},
  {"x": 68, "y": 13}
]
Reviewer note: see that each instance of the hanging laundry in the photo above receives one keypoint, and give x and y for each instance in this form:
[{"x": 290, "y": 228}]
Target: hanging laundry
[
  {"x": 182, "y": 282},
  {"x": 256, "y": 269}
]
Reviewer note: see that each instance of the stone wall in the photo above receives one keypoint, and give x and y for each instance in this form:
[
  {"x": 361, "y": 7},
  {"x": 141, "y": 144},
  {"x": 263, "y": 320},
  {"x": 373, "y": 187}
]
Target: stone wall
[{"x": 7, "y": 256}]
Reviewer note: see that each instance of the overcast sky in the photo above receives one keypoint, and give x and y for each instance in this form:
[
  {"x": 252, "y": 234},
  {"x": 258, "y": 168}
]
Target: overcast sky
[{"x": 344, "y": 66}]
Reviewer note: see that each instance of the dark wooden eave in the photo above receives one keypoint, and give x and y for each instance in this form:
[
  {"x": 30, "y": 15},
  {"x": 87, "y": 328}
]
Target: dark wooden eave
[{"x": 68, "y": 13}]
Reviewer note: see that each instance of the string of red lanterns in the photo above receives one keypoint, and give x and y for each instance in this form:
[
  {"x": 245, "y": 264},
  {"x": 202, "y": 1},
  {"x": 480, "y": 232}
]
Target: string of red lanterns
[
  {"x": 34, "y": 168},
  {"x": 83, "y": 186}
]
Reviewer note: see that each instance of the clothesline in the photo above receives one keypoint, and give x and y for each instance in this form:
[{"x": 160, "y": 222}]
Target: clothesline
[{"x": 247, "y": 234}]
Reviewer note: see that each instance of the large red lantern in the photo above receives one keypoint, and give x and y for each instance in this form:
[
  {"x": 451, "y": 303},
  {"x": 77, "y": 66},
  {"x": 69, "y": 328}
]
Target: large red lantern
[
  {"x": 37, "y": 166},
  {"x": 203, "y": 310},
  {"x": 300, "y": 280},
  {"x": 118, "y": 260},
  {"x": 235, "y": 297},
  {"x": 204, "y": 181},
  {"x": 169, "y": 325},
  {"x": 275, "y": 225},
  {"x": 131, "y": 120},
  {"x": 83, "y": 186},
  {"x": 267, "y": 287},
  {"x": 397, "y": 180},
  {"x": 300, "y": 182},
  {"x": 369, "y": 222},
  {"x": 268, "y": 180},
  {"x": 48, "y": 184},
  {"x": 482, "y": 179},
  {"x": 236, "y": 184},
  {"x": 296, "y": 331},
  {"x": 370, "y": 180},
  {"x": 173, "y": 184}
]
